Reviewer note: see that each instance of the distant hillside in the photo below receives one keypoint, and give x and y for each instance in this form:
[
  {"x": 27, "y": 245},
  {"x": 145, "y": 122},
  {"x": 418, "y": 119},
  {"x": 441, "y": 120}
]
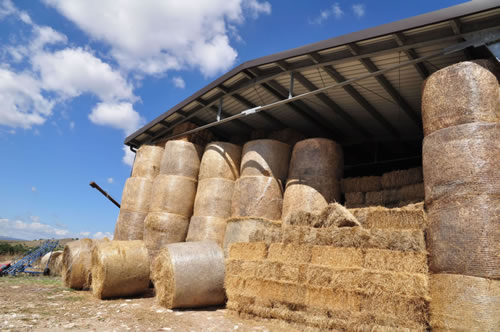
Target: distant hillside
[
  {"x": 35, "y": 243},
  {"x": 7, "y": 238}
]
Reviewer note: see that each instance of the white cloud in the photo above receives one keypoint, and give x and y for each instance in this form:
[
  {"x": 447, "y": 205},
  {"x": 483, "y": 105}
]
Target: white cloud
[
  {"x": 84, "y": 234},
  {"x": 72, "y": 125},
  {"x": 74, "y": 71},
  {"x": 117, "y": 115},
  {"x": 156, "y": 36},
  {"x": 110, "y": 180},
  {"x": 101, "y": 235},
  {"x": 30, "y": 230},
  {"x": 359, "y": 10},
  {"x": 33, "y": 189},
  {"x": 325, "y": 14},
  {"x": 22, "y": 102},
  {"x": 6, "y": 8},
  {"x": 179, "y": 82},
  {"x": 128, "y": 157}
]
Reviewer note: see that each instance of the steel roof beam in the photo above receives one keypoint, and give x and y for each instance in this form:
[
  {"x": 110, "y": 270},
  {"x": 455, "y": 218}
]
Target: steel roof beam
[
  {"x": 412, "y": 55},
  {"x": 387, "y": 86},
  {"x": 268, "y": 117}
]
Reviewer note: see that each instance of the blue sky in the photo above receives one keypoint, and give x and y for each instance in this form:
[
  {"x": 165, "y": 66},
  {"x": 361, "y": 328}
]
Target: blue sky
[{"x": 77, "y": 76}]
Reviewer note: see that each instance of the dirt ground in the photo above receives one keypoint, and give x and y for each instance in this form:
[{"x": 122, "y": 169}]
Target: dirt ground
[{"x": 44, "y": 304}]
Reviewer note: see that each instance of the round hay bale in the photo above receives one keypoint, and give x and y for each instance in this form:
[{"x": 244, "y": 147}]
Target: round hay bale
[
  {"x": 147, "y": 161},
  {"x": 130, "y": 225},
  {"x": 163, "y": 228},
  {"x": 77, "y": 263},
  {"x": 459, "y": 94},
  {"x": 462, "y": 303},
  {"x": 189, "y": 275},
  {"x": 213, "y": 198},
  {"x": 137, "y": 194},
  {"x": 464, "y": 235},
  {"x": 119, "y": 268},
  {"x": 55, "y": 263},
  {"x": 206, "y": 229},
  {"x": 316, "y": 157},
  {"x": 491, "y": 65},
  {"x": 251, "y": 230},
  {"x": 462, "y": 160},
  {"x": 257, "y": 196},
  {"x": 173, "y": 194},
  {"x": 265, "y": 157},
  {"x": 309, "y": 195},
  {"x": 181, "y": 158},
  {"x": 221, "y": 160}
]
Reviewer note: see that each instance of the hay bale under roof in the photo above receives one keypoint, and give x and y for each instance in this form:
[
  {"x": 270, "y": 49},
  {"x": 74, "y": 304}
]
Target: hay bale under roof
[
  {"x": 361, "y": 184},
  {"x": 162, "y": 228},
  {"x": 459, "y": 94},
  {"x": 408, "y": 217},
  {"x": 332, "y": 215},
  {"x": 181, "y": 158},
  {"x": 400, "y": 178},
  {"x": 265, "y": 157},
  {"x": 189, "y": 275},
  {"x": 214, "y": 198},
  {"x": 136, "y": 194},
  {"x": 463, "y": 303},
  {"x": 130, "y": 225},
  {"x": 354, "y": 200},
  {"x": 221, "y": 160},
  {"x": 119, "y": 269},
  {"x": 287, "y": 135},
  {"x": 173, "y": 194},
  {"x": 206, "y": 229},
  {"x": 147, "y": 161}
]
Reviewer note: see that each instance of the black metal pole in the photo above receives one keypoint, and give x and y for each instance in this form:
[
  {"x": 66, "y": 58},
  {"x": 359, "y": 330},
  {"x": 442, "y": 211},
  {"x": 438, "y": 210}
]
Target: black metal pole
[{"x": 96, "y": 186}]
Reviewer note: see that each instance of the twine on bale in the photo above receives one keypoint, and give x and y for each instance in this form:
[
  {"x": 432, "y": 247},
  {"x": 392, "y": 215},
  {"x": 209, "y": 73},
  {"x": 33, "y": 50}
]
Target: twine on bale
[
  {"x": 181, "y": 158},
  {"x": 119, "y": 269},
  {"x": 220, "y": 160},
  {"x": 265, "y": 157},
  {"x": 147, "y": 161},
  {"x": 189, "y": 275}
]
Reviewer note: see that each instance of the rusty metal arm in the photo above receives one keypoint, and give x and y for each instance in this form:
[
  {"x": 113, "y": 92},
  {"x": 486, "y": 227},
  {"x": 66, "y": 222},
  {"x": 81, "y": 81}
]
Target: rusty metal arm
[{"x": 96, "y": 186}]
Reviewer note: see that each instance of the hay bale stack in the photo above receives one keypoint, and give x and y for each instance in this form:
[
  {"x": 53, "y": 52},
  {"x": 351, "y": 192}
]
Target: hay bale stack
[
  {"x": 206, "y": 229},
  {"x": 251, "y": 230},
  {"x": 214, "y": 198},
  {"x": 491, "y": 65},
  {"x": 119, "y": 269},
  {"x": 189, "y": 275},
  {"x": 463, "y": 303},
  {"x": 161, "y": 228},
  {"x": 361, "y": 184},
  {"x": 220, "y": 161},
  {"x": 55, "y": 263},
  {"x": 173, "y": 194},
  {"x": 130, "y": 225},
  {"x": 409, "y": 217},
  {"x": 354, "y": 200},
  {"x": 401, "y": 178},
  {"x": 462, "y": 160},
  {"x": 316, "y": 168},
  {"x": 77, "y": 263},
  {"x": 334, "y": 215},
  {"x": 396, "y": 197},
  {"x": 459, "y": 94},
  {"x": 257, "y": 197},
  {"x": 287, "y": 135},
  {"x": 147, "y": 161},
  {"x": 181, "y": 158},
  {"x": 265, "y": 157}
]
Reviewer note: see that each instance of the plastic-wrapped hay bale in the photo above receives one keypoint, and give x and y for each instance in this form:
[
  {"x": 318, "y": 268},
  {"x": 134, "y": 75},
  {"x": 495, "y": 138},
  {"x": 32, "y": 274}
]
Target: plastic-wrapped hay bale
[
  {"x": 464, "y": 235},
  {"x": 318, "y": 158},
  {"x": 396, "y": 179},
  {"x": 251, "y": 230},
  {"x": 287, "y": 135},
  {"x": 309, "y": 195},
  {"x": 173, "y": 194},
  {"x": 459, "y": 94},
  {"x": 119, "y": 268},
  {"x": 181, "y": 158},
  {"x": 463, "y": 303},
  {"x": 147, "y": 161},
  {"x": 206, "y": 229},
  {"x": 265, "y": 157},
  {"x": 221, "y": 160},
  {"x": 162, "y": 228},
  {"x": 137, "y": 194},
  {"x": 361, "y": 184},
  {"x": 462, "y": 160},
  {"x": 213, "y": 198},
  {"x": 257, "y": 196},
  {"x": 77, "y": 263},
  {"x": 130, "y": 225},
  {"x": 189, "y": 274}
]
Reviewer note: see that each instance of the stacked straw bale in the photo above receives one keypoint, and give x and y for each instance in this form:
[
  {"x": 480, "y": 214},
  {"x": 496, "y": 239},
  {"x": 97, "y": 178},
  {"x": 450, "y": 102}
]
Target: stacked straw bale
[
  {"x": 359, "y": 280},
  {"x": 316, "y": 168},
  {"x": 173, "y": 194},
  {"x": 137, "y": 193},
  {"x": 188, "y": 275},
  {"x": 55, "y": 263},
  {"x": 219, "y": 170},
  {"x": 119, "y": 269},
  {"x": 393, "y": 189},
  {"x": 77, "y": 263},
  {"x": 460, "y": 111},
  {"x": 258, "y": 193}
]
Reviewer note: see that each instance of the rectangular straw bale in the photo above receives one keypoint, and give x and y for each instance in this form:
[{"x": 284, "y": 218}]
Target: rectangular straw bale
[
  {"x": 354, "y": 200},
  {"x": 337, "y": 257},
  {"x": 276, "y": 291},
  {"x": 242, "y": 268},
  {"x": 412, "y": 192},
  {"x": 395, "y": 239},
  {"x": 361, "y": 184},
  {"x": 289, "y": 253},
  {"x": 376, "y": 283},
  {"x": 398, "y": 261},
  {"x": 269, "y": 270},
  {"x": 409, "y": 309},
  {"x": 408, "y": 217},
  {"x": 327, "y": 298},
  {"x": 401, "y": 178},
  {"x": 346, "y": 279},
  {"x": 248, "y": 250},
  {"x": 278, "y": 271}
]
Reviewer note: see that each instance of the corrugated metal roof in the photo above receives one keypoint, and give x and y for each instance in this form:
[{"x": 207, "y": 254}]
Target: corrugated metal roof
[{"x": 384, "y": 106}]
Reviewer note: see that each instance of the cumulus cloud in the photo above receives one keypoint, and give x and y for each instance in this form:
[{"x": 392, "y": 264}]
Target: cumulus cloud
[
  {"x": 359, "y": 10},
  {"x": 117, "y": 115},
  {"x": 101, "y": 235},
  {"x": 110, "y": 180},
  {"x": 128, "y": 157},
  {"x": 30, "y": 230},
  {"x": 156, "y": 36},
  {"x": 6, "y": 8},
  {"x": 179, "y": 82},
  {"x": 325, "y": 14},
  {"x": 84, "y": 234}
]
